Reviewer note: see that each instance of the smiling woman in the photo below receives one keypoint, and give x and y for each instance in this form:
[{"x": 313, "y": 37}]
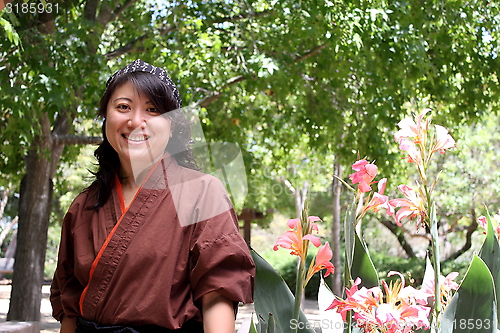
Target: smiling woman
[
  {"x": 152, "y": 244},
  {"x": 137, "y": 131}
]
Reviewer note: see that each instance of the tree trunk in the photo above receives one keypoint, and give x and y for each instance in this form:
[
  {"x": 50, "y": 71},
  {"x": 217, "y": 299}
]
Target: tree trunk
[
  {"x": 336, "y": 248},
  {"x": 34, "y": 211}
]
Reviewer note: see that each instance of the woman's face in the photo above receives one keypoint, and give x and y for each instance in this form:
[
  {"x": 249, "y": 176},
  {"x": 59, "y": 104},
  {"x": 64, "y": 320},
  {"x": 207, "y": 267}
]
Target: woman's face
[{"x": 135, "y": 128}]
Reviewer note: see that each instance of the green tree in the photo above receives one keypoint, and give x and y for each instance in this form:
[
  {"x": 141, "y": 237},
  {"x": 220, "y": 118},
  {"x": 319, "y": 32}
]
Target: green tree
[{"x": 336, "y": 73}]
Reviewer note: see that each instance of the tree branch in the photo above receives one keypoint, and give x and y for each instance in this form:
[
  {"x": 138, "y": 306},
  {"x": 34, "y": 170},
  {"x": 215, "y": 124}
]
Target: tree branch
[
  {"x": 310, "y": 53},
  {"x": 215, "y": 95},
  {"x": 90, "y": 10},
  {"x": 130, "y": 47},
  {"x": 468, "y": 239},
  {"x": 76, "y": 140},
  {"x": 125, "y": 48},
  {"x": 400, "y": 236},
  {"x": 108, "y": 16}
]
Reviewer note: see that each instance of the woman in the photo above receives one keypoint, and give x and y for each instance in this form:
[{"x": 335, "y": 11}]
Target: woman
[{"x": 151, "y": 245}]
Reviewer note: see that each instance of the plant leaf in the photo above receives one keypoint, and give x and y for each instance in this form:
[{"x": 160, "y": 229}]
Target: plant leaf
[
  {"x": 473, "y": 307},
  {"x": 490, "y": 253},
  {"x": 362, "y": 265},
  {"x": 272, "y": 296}
]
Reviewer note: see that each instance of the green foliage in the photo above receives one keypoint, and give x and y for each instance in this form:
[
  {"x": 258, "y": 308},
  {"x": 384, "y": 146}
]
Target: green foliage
[
  {"x": 362, "y": 265},
  {"x": 473, "y": 307},
  {"x": 490, "y": 254},
  {"x": 272, "y": 296}
]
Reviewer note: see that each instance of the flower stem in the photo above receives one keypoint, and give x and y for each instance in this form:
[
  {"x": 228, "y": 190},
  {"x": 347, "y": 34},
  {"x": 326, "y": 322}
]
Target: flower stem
[
  {"x": 437, "y": 266},
  {"x": 298, "y": 292}
]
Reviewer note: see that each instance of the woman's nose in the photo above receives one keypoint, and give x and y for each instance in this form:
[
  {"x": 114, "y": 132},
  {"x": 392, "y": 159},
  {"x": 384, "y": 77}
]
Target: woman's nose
[{"x": 136, "y": 120}]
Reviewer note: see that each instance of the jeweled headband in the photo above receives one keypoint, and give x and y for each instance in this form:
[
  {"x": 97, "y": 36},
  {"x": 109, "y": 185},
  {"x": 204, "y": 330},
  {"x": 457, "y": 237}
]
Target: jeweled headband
[{"x": 141, "y": 66}]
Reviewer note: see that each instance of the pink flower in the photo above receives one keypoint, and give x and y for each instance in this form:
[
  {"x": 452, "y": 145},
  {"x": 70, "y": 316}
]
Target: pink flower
[
  {"x": 295, "y": 239},
  {"x": 495, "y": 221},
  {"x": 396, "y": 310},
  {"x": 411, "y": 129},
  {"x": 379, "y": 200},
  {"x": 411, "y": 207},
  {"x": 482, "y": 222},
  {"x": 364, "y": 175},
  {"x": 362, "y": 300},
  {"x": 321, "y": 261},
  {"x": 445, "y": 287},
  {"x": 412, "y": 150},
  {"x": 443, "y": 140}
]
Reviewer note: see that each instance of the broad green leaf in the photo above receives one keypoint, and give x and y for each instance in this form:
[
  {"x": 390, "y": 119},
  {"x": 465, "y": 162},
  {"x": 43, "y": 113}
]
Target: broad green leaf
[
  {"x": 272, "y": 296},
  {"x": 473, "y": 307},
  {"x": 362, "y": 265},
  {"x": 490, "y": 253}
]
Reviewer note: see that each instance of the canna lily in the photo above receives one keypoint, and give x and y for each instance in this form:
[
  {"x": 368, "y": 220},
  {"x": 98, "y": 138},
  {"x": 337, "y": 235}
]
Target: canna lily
[
  {"x": 294, "y": 239},
  {"x": 365, "y": 172},
  {"x": 411, "y": 207},
  {"x": 411, "y": 129},
  {"x": 410, "y": 147},
  {"x": 379, "y": 200},
  {"x": 495, "y": 220},
  {"x": 361, "y": 300},
  {"x": 446, "y": 285},
  {"x": 399, "y": 311},
  {"x": 321, "y": 261},
  {"x": 443, "y": 140}
]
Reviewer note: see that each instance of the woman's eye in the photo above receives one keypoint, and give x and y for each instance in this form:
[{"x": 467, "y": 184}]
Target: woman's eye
[
  {"x": 123, "y": 107},
  {"x": 153, "y": 110}
]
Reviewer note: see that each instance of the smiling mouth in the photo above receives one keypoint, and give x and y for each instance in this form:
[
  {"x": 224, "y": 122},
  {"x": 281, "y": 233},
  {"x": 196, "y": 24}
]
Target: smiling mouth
[{"x": 136, "y": 138}]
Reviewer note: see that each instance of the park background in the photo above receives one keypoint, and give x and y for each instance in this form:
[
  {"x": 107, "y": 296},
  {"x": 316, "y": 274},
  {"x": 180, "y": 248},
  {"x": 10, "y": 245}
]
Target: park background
[{"x": 305, "y": 88}]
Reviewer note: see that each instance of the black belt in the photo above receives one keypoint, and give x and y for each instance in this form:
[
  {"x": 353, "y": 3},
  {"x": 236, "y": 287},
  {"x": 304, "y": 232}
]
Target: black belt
[{"x": 85, "y": 326}]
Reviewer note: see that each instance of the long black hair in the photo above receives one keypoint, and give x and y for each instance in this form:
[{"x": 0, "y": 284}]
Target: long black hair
[{"x": 162, "y": 97}]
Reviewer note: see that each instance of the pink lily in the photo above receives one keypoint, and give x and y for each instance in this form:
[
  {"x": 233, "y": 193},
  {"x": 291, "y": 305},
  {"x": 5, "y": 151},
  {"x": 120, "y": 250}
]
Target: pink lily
[
  {"x": 321, "y": 261},
  {"x": 294, "y": 239},
  {"x": 446, "y": 286},
  {"x": 410, "y": 129},
  {"x": 379, "y": 200},
  {"x": 483, "y": 223},
  {"x": 360, "y": 299},
  {"x": 411, "y": 148},
  {"x": 411, "y": 207},
  {"x": 443, "y": 140},
  {"x": 364, "y": 175},
  {"x": 397, "y": 311},
  {"x": 495, "y": 220}
]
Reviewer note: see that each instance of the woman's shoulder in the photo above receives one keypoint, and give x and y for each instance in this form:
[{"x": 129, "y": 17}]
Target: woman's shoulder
[
  {"x": 199, "y": 180},
  {"x": 84, "y": 200}
]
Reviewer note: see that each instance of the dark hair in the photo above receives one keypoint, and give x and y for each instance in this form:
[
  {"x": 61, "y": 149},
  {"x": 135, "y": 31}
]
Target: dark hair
[{"x": 162, "y": 97}]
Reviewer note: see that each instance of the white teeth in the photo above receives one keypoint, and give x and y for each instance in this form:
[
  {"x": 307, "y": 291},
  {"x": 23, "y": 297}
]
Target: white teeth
[{"x": 136, "y": 138}]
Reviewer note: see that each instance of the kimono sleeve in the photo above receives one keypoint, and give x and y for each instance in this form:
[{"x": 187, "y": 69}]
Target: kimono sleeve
[
  {"x": 65, "y": 290},
  {"x": 220, "y": 258}
]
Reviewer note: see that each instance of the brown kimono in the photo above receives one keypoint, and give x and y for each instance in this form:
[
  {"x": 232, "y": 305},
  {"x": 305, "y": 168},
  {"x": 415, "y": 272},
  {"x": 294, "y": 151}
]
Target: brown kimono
[{"x": 150, "y": 263}]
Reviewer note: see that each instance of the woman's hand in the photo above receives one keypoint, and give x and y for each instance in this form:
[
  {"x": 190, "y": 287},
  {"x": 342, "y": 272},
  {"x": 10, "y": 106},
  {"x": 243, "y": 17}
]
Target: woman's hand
[
  {"x": 68, "y": 325},
  {"x": 218, "y": 313}
]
